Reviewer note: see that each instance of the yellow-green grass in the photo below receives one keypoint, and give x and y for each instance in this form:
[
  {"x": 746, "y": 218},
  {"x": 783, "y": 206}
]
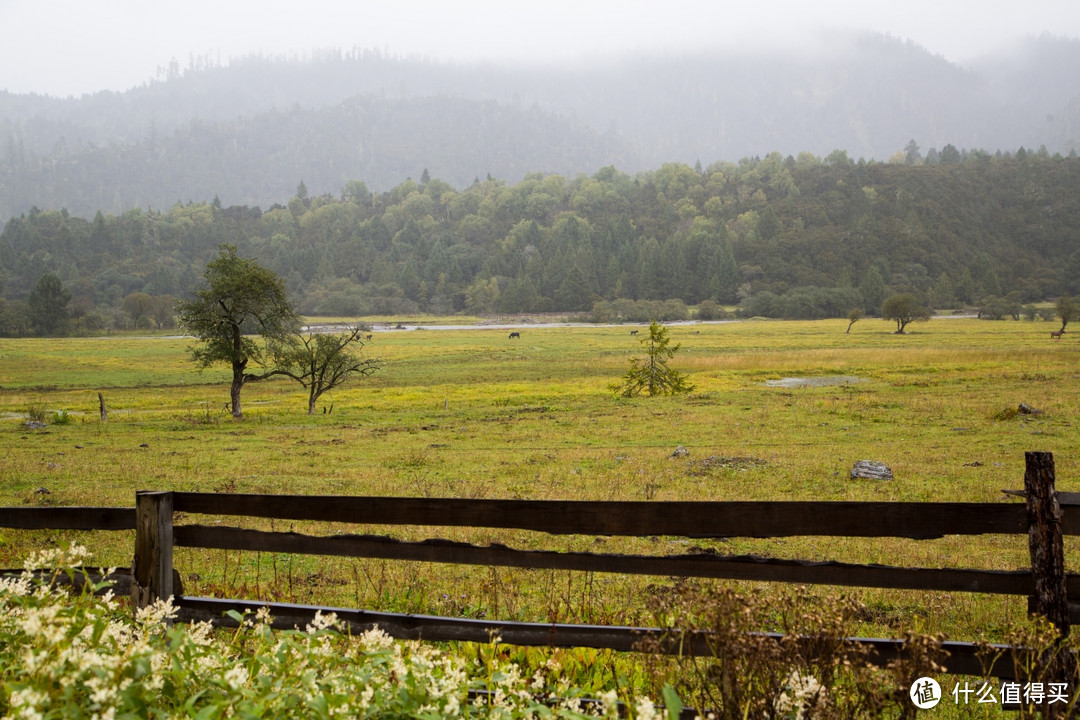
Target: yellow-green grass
[{"x": 471, "y": 413}]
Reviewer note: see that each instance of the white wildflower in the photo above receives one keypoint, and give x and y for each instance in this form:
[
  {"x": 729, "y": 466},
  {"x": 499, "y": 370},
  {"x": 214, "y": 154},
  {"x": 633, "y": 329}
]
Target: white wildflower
[
  {"x": 400, "y": 669},
  {"x": 109, "y": 599},
  {"x": 610, "y": 699},
  {"x": 103, "y": 695},
  {"x": 208, "y": 664},
  {"x": 366, "y": 696},
  {"x": 328, "y": 621},
  {"x": 201, "y": 633},
  {"x": 572, "y": 704},
  {"x": 26, "y": 699},
  {"x": 236, "y": 677},
  {"x": 801, "y": 694},
  {"x": 36, "y": 618},
  {"x": 644, "y": 709},
  {"x": 453, "y": 706},
  {"x": 52, "y": 558},
  {"x": 18, "y": 586},
  {"x": 156, "y": 613},
  {"x": 40, "y": 559}
]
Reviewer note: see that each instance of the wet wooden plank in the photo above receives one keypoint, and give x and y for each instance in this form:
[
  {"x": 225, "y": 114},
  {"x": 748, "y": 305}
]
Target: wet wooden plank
[
  {"x": 68, "y": 518},
  {"x": 688, "y": 519},
  {"x": 740, "y": 567}
]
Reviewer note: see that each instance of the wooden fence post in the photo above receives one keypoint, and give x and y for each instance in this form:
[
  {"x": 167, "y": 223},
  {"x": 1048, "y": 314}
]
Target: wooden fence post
[
  {"x": 1044, "y": 541},
  {"x": 151, "y": 569},
  {"x": 1047, "y": 550}
]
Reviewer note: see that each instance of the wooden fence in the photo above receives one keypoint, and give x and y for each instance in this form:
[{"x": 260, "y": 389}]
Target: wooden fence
[{"x": 1044, "y": 517}]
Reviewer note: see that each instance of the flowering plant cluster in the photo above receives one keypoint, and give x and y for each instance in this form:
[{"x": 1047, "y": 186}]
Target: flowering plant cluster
[{"x": 80, "y": 654}]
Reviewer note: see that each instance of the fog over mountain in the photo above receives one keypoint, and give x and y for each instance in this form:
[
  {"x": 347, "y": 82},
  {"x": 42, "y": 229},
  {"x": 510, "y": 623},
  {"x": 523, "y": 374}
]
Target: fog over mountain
[{"x": 249, "y": 131}]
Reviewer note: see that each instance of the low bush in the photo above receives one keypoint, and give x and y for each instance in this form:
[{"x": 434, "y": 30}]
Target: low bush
[{"x": 36, "y": 414}]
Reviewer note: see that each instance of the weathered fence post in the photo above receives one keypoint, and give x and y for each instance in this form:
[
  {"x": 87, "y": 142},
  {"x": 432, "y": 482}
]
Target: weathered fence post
[
  {"x": 1044, "y": 541},
  {"x": 152, "y": 570},
  {"x": 1047, "y": 550}
]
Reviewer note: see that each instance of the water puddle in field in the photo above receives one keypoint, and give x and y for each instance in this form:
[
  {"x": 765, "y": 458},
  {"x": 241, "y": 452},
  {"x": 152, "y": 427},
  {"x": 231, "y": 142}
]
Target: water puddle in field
[{"x": 822, "y": 381}]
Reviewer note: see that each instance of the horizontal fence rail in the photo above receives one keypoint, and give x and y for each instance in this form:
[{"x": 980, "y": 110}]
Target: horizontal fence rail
[
  {"x": 919, "y": 520},
  {"x": 68, "y": 518},
  {"x": 766, "y": 519},
  {"x": 726, "y": 567}
]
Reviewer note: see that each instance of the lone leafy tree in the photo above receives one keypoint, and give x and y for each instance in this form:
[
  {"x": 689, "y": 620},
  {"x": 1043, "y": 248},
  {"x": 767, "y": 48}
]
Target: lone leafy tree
[
  {"x": 323, "y": 361},
  {"x": 240, "y": 312},
  {"x": 904, "y": 308},
  {"x": 1068, "y": 309},
  {"x": 651, "y": 374},
  {"x": 853, "y": 317}
]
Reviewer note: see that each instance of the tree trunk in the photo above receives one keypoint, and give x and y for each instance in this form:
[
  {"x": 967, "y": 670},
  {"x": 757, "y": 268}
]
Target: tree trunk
[{"x": 234, "y": 394}]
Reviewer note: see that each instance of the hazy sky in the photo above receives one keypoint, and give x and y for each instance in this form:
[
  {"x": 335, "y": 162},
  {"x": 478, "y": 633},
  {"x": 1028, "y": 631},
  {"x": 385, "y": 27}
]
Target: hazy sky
[{"x": 64, "y": 47}]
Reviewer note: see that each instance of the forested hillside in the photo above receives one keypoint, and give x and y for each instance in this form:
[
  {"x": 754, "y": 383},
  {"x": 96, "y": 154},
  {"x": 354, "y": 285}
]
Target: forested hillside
[
  {"x": 249, "y": 131},
  {"x": 798, "y": 237}
]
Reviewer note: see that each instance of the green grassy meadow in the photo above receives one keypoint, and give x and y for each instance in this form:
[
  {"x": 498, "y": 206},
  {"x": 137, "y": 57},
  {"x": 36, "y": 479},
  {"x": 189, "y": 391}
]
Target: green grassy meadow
[{"x": 470, "y": 413}]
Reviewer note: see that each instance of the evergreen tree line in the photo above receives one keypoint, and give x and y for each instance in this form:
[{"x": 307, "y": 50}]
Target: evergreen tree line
[{"x": 779, "y": 236}]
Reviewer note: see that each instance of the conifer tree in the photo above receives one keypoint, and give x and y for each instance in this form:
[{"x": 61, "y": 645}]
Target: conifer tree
[{"x": 651, "y": 374}]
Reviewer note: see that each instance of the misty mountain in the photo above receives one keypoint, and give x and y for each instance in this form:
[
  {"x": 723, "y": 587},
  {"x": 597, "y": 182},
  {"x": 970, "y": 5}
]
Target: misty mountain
[{"x": 249, "y": 132}]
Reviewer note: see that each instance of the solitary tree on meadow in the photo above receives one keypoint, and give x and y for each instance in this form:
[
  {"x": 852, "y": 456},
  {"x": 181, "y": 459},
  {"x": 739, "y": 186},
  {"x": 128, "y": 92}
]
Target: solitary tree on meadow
[
  {"x": 1068, "y": 309},
  {"x": 853, "y": 317},
  {"x": 904, "y": 308},
  {"x": 323, "y": 361},
  {"x": 651, "y": 374},
  {"x": 240, "y": 312}
]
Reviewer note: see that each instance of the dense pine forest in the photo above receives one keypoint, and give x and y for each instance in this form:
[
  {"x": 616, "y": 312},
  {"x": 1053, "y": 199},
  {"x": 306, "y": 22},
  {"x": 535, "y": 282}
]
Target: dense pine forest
[{"x": 779, "y": 236}]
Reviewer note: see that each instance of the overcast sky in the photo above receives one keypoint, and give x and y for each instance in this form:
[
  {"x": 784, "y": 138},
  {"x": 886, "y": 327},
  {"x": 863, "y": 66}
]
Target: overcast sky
[{"x": 65, "y": 47}]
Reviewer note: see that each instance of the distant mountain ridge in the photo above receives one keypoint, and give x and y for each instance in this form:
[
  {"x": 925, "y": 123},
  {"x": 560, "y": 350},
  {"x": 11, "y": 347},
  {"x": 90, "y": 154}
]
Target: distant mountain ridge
[{"x": 249, "y": 132}]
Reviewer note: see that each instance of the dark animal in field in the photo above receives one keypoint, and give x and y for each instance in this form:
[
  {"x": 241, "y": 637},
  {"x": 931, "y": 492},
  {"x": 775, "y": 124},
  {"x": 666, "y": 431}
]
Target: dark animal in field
[
  {"x": 515, "y": 334},
  {"x": 369, "y": 336},
  {"x": 633, "y": 332},
  {"x": 1056, "y": 334}
]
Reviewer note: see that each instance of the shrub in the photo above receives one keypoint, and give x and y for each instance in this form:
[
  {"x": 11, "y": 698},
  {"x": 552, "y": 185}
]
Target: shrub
[
  {"x": 36, "y": 414},
  {"x": 711, "y": 310}
]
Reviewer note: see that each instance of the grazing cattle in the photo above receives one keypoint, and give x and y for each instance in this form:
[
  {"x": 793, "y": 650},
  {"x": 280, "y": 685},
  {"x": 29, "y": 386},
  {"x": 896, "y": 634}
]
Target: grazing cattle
[
  {"x": 633, "y": 332},
  {"x": 515, "y": 334},
  {"x": 1056, "y": 334}
]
